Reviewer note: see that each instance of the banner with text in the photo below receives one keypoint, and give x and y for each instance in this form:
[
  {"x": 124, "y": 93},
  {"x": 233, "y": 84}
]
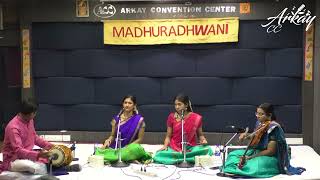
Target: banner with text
[
  {"x": 168, "y": 31},
  {"x": 26, "y": 82},
  {"x": 308, "y": 53}
]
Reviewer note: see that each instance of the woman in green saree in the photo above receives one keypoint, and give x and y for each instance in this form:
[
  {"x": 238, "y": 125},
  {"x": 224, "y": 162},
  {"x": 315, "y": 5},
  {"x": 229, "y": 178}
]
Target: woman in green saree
[
  {"x": 170, "y": 153},
  {"x": 266, "y": 158}
]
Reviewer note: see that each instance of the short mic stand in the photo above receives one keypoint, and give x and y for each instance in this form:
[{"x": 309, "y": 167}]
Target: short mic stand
[{"x": 50, "y": 165}]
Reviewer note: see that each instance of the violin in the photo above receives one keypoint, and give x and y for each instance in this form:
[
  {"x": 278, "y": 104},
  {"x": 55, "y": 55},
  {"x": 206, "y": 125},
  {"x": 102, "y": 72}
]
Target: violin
[{"x": 256, "y": 137}]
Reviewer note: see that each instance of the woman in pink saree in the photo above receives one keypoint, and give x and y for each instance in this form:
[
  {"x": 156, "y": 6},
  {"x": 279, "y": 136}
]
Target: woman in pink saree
[{"x": 170, "y": 153}]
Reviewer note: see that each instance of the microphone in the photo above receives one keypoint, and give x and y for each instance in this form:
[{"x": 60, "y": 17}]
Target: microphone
[
  {"x": 53, "y": 157},
  {"x": 182, "y": 113},
  {"x": 238, "y": 129},
  {"x": 121, "y": 111},
  {"x": 73, "y": 150},
  {"x": 73, "y": 146}
]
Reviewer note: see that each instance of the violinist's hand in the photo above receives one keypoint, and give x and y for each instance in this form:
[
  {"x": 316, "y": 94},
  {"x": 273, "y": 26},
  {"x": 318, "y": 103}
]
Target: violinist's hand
[
  {"x": 242, "y": 136},
  {"x": 248, "y": 157}
]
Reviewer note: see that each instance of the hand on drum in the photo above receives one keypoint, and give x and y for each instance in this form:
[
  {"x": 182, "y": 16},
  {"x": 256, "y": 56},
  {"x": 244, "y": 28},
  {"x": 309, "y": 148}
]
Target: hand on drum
[{"x": 45, "y": 154}]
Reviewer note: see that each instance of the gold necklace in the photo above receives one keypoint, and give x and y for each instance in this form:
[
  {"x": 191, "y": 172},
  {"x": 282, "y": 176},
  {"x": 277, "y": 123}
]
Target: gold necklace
[
  {"x": 178, "y": 116},
  {"x": 124, "y": 118}
]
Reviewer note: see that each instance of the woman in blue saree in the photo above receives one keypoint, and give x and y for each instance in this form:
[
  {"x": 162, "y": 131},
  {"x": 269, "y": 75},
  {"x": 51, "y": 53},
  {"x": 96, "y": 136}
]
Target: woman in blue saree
[
  {"x": 269, "y": 156},
  {"x": 132, "y": 131}
]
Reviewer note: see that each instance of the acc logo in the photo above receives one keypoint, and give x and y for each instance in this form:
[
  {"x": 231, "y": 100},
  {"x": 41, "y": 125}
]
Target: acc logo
[{"x": 104, "y": 10}]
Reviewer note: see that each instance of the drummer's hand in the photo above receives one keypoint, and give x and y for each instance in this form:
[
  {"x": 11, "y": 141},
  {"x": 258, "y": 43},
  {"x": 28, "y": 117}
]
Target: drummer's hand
[
  {"x": 106, "y": 144},
  {"x": 203, "y": 141},
  {"x": 44, "y": 154}
]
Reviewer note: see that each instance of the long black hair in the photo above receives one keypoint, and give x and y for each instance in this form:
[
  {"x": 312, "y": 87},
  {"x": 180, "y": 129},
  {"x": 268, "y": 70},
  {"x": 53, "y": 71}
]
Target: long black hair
[{"x": 185, "y": 100}]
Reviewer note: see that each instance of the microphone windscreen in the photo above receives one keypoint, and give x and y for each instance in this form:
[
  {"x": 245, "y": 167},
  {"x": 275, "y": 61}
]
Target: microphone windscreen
[
  {"x": 74, "y": 168},
  {"x": 55, "y": 156},
  {"x": 47, "y": 177}
]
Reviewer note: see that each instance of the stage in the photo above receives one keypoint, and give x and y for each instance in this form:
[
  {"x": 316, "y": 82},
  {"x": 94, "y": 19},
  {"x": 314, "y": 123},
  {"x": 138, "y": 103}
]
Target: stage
[{"x": 303, "y": 156}]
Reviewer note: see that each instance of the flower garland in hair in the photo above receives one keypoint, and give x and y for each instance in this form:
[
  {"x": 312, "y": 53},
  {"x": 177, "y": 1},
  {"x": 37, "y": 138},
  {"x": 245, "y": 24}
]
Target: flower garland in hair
[
  {"x": 135, "y": 109},
  {"x": 190, "y": 106}
]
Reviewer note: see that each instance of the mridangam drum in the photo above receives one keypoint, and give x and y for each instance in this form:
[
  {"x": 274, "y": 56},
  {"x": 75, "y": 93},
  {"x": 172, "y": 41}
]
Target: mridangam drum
[{"x": 62, "y": 155}]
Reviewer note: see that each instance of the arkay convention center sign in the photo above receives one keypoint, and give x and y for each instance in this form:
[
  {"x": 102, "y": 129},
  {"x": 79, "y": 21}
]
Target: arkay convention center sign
[
  {"x": 121, "y": 11},
  {"x": 148, "y": 24}
]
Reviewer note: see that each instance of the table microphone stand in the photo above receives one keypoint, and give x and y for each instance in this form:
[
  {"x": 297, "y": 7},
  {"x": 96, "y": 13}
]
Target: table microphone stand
[
  {"x": 184, "y": 163},
  {"x": 223, "y": 150},
  {"x": 50, "y": 166}
]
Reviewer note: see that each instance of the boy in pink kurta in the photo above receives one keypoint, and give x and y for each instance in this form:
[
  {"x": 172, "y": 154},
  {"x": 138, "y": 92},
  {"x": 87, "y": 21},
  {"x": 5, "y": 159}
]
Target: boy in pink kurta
[{"x": 20, "y": 138}]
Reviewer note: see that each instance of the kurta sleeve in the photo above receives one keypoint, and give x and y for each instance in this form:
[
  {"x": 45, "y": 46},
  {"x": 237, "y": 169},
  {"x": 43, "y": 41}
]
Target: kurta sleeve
[
  {"x": 42, "y": 143},
  {"x": 16, "y": 143}
]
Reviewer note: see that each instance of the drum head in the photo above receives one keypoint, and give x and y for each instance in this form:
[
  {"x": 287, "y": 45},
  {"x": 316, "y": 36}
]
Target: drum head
[{"x": 60, "y": 156}]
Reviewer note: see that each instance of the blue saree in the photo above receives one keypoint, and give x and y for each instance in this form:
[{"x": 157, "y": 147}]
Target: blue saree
[
  {"x": 129, "y": 130},
  {"x": 129, "y": 151},
  {"x": 264, "y": 166}
]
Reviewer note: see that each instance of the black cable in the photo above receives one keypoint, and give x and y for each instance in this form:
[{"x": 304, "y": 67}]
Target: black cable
[
  {"x": 203, "y": 173},
  {"x": 189, "y": 170},
  {"x": 157, "y": 166},
  {"x": 130, "y": 174},
  {"x": 170, "y": 174},
  {"x": 85, "y": 165}
]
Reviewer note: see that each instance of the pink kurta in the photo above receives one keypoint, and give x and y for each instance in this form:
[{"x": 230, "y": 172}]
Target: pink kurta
[
  {"x": 191, "y": 124},
  {"x": 19, "y": 140}
]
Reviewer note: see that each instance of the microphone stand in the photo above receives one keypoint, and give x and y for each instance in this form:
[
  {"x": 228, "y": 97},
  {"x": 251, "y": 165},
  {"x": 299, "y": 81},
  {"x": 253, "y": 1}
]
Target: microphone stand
[
  {"x": 223, "y": 150},
  {"x": 184, "y": 163},
  {"x": 73, "y": 150},
  {"x": 119, "y": 163},
  {"x": 50, "y": 166}
]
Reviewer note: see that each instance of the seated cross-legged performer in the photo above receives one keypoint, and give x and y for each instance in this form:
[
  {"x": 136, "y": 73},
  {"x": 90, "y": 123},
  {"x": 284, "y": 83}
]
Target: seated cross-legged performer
[
  {"x": 267, "y": 153},
  {"x": 19, "y": 140},
  {"x": 170, "y": 153},
  {"x": 132, "y": 128}
]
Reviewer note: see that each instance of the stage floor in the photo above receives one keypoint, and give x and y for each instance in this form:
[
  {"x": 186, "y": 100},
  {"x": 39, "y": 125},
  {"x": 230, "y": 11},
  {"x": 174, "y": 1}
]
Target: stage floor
[{"x": 302, "y": 156}]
